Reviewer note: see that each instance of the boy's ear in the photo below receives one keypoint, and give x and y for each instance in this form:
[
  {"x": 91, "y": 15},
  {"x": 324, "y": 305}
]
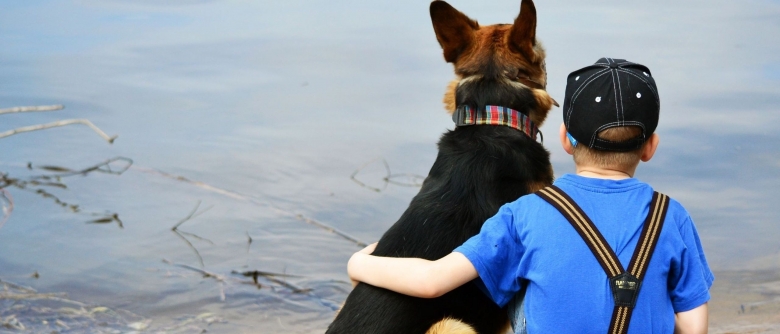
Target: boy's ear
[
  {"x": 565, "y": 142},
  {"x": 648, "y": 150},
  {"x": 454, "y": 30}
]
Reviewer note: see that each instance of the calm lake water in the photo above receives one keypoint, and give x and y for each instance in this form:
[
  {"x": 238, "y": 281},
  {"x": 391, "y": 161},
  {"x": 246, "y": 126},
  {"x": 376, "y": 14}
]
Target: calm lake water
[{"x": 255, "y": 115}]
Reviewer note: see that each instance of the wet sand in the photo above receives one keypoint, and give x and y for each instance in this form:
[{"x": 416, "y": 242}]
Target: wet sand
[{"x": 745, "y": 302}]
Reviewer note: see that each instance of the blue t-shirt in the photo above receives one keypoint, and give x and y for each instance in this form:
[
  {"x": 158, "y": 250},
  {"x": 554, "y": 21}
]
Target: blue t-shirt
[{"x": 529, "y": 242}]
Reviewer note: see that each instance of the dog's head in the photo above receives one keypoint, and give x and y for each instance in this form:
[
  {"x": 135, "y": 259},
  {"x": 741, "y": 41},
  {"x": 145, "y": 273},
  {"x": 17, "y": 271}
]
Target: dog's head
[{"x": 501, "y": 64}]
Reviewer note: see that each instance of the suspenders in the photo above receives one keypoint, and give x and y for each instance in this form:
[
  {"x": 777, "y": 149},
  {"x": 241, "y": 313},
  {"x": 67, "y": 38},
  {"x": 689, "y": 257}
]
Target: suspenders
[{"x": 625, "y": 284}]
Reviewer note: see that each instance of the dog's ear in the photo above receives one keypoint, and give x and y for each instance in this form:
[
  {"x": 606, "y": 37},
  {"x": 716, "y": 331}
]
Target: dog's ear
[
  {"x": 454, "y": 30},
  {"x": 522, "y": 37}
]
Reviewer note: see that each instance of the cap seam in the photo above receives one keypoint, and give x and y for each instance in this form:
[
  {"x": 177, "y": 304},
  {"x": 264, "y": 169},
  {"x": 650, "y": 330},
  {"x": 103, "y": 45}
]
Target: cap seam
[
  {"x": 578, "y": 91},
  {"x": 657, "y": 99}
]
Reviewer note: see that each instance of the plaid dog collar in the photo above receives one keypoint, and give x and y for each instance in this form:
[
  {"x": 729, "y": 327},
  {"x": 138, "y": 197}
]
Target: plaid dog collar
[{"x": 495, "y": 115}]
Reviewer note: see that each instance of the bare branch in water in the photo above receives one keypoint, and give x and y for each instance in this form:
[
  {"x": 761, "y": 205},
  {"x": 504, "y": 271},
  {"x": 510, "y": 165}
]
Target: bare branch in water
[
  {"x": 109, "y": 139},
  {"x": 414, "y": 179},
  {"x": 197, "y": 253},
  {"x": 256, "y": 201},
  {"x": 248, "y": 243},
  {"x": 31, "y": 109},
  {"x": 108, "y": 219},
  {"x": 36, "y": 183},
  {"x": 103, "y": 167},
  {"x": 357, "y": 171},
  {"x": 194, "y": 213},
  {"x": 254, "y": 274},
  {"x": 206, "y": 274},
  {"x": 6, "y": 205}
]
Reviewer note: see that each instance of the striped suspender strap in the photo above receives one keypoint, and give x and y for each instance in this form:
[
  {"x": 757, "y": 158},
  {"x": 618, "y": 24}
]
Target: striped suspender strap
[{"x": 624, "y": 284}]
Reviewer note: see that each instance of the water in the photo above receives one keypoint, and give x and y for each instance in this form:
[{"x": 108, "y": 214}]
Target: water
[{"x": 267, "y": 109}]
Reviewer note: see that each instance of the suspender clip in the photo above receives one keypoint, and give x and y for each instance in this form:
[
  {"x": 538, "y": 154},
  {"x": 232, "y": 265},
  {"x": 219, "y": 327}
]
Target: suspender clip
[{"x": 625, "y": 289}]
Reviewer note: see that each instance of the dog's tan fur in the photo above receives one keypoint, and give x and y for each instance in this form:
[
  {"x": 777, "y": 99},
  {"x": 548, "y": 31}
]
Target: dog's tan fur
[
  {"x": 500, "y": 44},
  {"x": 451, "y": 326}
]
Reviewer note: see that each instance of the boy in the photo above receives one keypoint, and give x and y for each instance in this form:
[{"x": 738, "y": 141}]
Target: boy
[{"x": 610, "y": 115}]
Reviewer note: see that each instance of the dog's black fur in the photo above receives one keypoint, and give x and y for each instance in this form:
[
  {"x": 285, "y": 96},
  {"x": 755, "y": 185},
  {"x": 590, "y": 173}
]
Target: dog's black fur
[{"x": 478, "y": 169}]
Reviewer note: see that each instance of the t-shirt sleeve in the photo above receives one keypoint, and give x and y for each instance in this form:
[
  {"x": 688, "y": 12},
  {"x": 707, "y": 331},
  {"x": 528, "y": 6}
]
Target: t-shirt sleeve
[
  {"x": 691, "y": 276},
  {"x": 495, "y": 253}
]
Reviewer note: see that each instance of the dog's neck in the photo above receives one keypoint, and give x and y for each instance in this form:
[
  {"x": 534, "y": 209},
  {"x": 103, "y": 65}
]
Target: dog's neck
[{"x": 495, "y": 115}]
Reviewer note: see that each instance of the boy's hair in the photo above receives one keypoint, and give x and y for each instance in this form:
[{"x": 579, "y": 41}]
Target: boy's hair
[{"x": 584, "y": 155}]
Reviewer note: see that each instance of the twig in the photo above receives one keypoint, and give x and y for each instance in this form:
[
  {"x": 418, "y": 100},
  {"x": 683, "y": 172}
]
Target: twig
[
  {"x": 355, "y": 173},
  {"x": 197, "y": 253},
  {"x": 108, "y": 219},
  {"x": 255, "y": 201},
  {"x": 330, "y": 229},
  {"x": 272, "y": 277},
  {"x": 194, "y": 213},
  {"x": 388, "y": 179},
  {"x": 6, "y": 205},
  {"x": 413, "y": 177},
  {"x": 65, "y": 172},
  {"x": 205, "y": 273},
  {"x": 31, "y": 108},
  {"x": 109, "y": 139}
]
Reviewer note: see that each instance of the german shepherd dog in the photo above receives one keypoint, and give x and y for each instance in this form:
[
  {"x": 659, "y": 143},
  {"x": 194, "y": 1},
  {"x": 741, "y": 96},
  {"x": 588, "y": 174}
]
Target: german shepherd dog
[{"x": 478, "y": 169}]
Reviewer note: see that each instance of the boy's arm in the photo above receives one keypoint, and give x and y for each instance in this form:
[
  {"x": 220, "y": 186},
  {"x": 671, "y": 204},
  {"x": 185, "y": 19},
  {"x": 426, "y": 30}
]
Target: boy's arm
[
  {"x": 411, "y": 276},
  {"x": 692, "y": 322}
]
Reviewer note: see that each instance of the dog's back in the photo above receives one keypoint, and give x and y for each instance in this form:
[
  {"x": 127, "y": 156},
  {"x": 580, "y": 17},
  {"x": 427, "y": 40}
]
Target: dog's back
[{"x": 478, "y": 169}]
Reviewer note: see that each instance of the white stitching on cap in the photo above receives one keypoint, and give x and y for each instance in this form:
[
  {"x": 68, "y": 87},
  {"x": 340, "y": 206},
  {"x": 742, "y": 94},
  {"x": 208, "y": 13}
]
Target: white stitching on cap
[
  {"x": 579, "y": 90},
  {"x": 576, "y": 93},
  {"x": 620, "y": 89},
  {"x": 657, "y": 100},
  {"x": 617, "y": 109}
]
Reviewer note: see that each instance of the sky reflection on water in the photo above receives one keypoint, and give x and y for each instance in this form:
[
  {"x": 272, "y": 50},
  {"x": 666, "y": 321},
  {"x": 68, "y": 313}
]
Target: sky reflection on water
[{"x": 281, "y": 101}]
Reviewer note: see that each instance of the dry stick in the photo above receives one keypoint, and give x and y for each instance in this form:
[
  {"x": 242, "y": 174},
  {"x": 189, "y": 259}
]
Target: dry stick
[
  {"x": 255, "y": 201},
  {"x": 6, "y": 210},
  {"x": 194, "y": 213},
  {"x": 191, "y": 216},
  {"x": 387, "y": 169},
  {"x": 248, "y": 243},
  {"x": 86, "y": 122},
  {"x": 221, "y": 279},
  {"x": 31, "y": 108},
  {"x": 413, "y": 177},
  {"x": 94, "y": 168}
]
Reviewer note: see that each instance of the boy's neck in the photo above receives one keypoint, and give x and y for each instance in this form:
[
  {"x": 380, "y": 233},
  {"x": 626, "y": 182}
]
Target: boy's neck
[{"x": 604, "y": 173}]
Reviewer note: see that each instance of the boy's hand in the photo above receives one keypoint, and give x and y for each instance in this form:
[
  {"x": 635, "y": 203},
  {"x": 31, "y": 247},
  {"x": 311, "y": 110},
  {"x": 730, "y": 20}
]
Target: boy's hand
[{"x": 367, "y": 250}]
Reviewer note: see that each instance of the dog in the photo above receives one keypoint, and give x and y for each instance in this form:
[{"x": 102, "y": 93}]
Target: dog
[{"x": 478, "y": 169}]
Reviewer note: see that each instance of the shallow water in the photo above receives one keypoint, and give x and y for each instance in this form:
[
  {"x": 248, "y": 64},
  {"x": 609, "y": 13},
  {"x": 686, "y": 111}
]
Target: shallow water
[{"x": 258, "y": 113}]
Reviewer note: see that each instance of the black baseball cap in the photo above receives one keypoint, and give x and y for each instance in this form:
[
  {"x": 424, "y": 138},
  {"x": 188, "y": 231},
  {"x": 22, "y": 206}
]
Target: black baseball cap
[{"x": 611, "y": 93}]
